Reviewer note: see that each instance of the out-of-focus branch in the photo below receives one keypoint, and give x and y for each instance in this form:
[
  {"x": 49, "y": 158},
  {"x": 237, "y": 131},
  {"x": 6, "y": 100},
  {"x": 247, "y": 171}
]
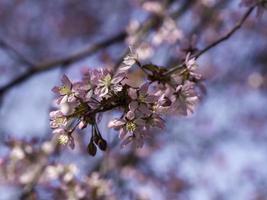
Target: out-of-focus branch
[
  {"x": 228, "y": 35},
  {"x": 187, "y": 4},
  {"x": 205, "y": 18},
  {"x": 208, "y": 16},
  {"x": 64, "y": 62},
  {"x": 218, "y": 41},
  {"x": 18, "y": 54},
  {"x": 151, "y": 23},
  {"x": 42, "y": 164}
]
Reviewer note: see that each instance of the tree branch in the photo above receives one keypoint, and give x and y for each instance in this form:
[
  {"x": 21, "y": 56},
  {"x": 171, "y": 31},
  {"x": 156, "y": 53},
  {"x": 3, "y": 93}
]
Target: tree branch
[
  {"x": 214, "y": 44},
  {"x": 64, "y": 62},
  {"x": 228, "y": 35}
]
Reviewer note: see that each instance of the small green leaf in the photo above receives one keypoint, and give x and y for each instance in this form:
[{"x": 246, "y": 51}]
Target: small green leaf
[{"x": 151, "y": 67}]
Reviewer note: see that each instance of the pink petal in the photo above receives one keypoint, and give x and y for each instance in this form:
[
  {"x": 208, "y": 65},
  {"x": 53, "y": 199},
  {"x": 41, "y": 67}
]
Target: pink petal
[
  {"x": 59, "y": 131},
  {"x": 133, "y": 105},
  {"x": 159, "y": 123},
  {"x": 103, "y": 91},
  {"x": 124, "y": 68},
  {"x": 54, "y": 114},
  {"x": 143, "y": 89},
  {"x": 132, "y": 93},
  {"x": 117, "y": 79},
  {"x": 140, "y": 122},
  {"x": 130, "y": 115},
  {"x": 144, "y": 109},
  {"x": 126, "y": 141},
  {"x": 122, "y": 133},
  {"x": 66, "y": 81},
  {"x": 55, "y": 90},
  {"x": 151, "y": 99},
  {"x": 116, "y": 123},
  {"x": 82, "y": 125}
]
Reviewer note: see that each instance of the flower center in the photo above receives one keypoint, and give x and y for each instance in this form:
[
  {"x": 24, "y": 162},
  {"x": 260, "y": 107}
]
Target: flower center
[
  {"x": 130, "y": 126},
  {"x": 107, "y": 80},
  {"x": 60, "y": 120},
  {"x": 64, "y": 90},
  {"x": 142, "y": 98},
  {"x": 154, "y": 107},
  {"x": 63, "y": 139}
]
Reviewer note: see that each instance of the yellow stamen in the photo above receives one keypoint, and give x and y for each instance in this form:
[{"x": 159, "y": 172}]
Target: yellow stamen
[
  {"x": 130, "y": 126},
  {"x": 63, "y": 139},
  {"x": 64, "y": 90}
]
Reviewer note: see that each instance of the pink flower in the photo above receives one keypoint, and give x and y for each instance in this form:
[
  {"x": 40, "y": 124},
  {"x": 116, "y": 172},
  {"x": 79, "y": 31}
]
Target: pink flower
[
  {"x": 164, "y": 100},
  {"x": 65, "y": 91},
  {"x": 136, "y": 140},
  {"x": 107, "y": 84},
  {"x": 142, "y": 101},
  {"x": 155, "y": 121},
  {"x": 66, "y": 139},
  {"x": 191, "y": 67},
  {"x": 83, "y": 90},
  {"x": 57, "y": 119},
  {"x": 129, "y": 61},
  {"x": 185, "y": 100},
  {"x": 129, "y": 126}
]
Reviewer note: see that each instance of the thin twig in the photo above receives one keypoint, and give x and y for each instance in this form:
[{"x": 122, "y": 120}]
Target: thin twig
[
  {"x": 214, "y": 44},
  {"x": 228, "y": 35},
  {"x": 65, "y": 62}
]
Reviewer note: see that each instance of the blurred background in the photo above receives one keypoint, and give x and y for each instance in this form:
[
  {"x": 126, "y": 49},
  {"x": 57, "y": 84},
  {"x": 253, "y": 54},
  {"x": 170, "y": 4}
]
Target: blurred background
[{"x": 218, "y": 153}]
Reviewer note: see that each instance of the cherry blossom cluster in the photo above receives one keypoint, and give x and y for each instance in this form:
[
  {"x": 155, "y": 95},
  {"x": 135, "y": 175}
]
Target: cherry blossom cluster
[{"x": 81, "y": 104}]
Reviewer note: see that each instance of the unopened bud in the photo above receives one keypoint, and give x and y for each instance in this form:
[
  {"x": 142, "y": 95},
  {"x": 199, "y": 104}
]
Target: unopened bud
[
  {"x": 102, "y": 144},
  {"x": 91, "y": 149}
]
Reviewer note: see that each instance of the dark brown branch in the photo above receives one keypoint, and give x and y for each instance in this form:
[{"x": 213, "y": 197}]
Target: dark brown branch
[
  {"x": 220, "y": 40},
  {"x": 65, "y": 62},
  {"x": 205, "y": 19},
  {"x": 228, "y": 35}
]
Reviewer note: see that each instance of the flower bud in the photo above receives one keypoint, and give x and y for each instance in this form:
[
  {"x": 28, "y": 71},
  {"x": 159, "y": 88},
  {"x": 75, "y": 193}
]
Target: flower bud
[
  {"x": 91, "y": 149},
  {"x": 102, "y": 144}
]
